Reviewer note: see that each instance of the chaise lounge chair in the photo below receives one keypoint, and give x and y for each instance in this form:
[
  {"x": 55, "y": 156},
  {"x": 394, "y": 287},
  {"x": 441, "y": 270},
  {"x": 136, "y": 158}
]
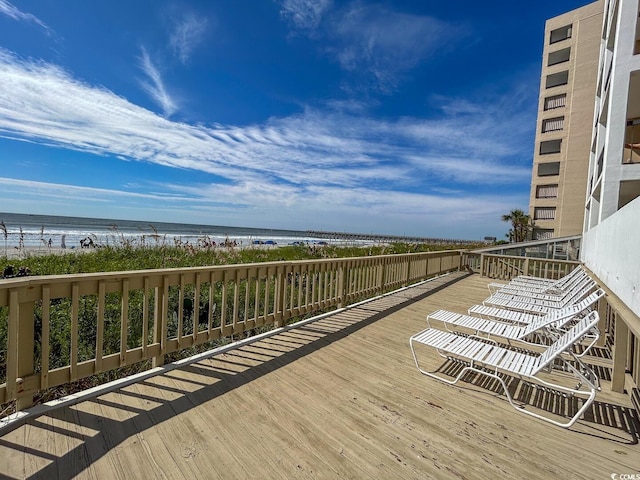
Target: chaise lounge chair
[
  {"x": 487, "y": 357},
  {"x": 496, "y": 313},
  {"x": 531, "y": 281},
  {"x": 540, "y": 327},
  {"x": 542, "y": 303},
  {"x": 557, "y": 287}
]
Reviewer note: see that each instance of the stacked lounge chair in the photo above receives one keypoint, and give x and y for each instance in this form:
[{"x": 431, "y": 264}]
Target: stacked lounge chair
[{"x": 555, "y": 330}]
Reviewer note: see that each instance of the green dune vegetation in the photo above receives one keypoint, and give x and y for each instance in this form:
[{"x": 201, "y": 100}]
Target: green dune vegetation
[{"x": 126, "y": 257}]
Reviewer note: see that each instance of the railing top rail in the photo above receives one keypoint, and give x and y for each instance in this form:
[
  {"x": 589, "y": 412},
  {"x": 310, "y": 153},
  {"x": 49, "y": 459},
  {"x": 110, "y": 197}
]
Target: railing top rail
[
  {"x": 34, "y": 280},
  {"x": 531, "y": 259},
  {"x": 532, "y": 243}
]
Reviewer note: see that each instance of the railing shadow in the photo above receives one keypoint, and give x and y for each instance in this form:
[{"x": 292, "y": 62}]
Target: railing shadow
[
  {"x": 599, "y": 414},
  {"x": 232, "y": 370}
]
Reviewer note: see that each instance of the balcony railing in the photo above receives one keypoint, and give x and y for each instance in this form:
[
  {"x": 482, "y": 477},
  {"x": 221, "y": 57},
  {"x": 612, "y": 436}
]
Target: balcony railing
[
  {"x": 506, "y": 267},
  {"x": 631, "y": 151},
  {"x": 58, "y": 329}
]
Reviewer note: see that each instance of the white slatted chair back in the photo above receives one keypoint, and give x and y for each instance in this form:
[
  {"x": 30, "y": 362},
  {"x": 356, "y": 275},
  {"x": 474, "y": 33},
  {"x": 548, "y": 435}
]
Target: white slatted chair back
[{"x": 566, "y": 340}]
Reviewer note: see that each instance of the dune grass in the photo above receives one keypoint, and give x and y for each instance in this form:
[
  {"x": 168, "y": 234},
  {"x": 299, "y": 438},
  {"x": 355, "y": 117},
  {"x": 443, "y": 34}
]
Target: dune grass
[{"x": 123, "y": 258}]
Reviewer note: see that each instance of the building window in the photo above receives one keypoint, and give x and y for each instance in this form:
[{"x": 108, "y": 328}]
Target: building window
[
  {"x": 555, "y": 101},
  {"x": 543, "y": 234},
  {"x": 600, "y": 165},
  {"x": 548, "y": 169},
  {"x": 552, "y": 124},
  {"x": 560, "y": 34},
  {"x": 557, "y": 79},
  {"x": 631, "y": 151},
  {"x": 629, "y": 191},
  {"x": 550, "y": 146},
  {"x": 559, "y": 56},
  {"x": 636, "y": 43},
  {"x": 547, "y": 191},
  {"x": 544, "y": 213}
]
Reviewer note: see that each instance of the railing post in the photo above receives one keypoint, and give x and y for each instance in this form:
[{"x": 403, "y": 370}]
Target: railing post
[
  {"x": 619, "y": 354},
  {"x": 380, "y": 279},
  {"x": 278, "y": 300},
  {"x": 24, "y": 395},
  {"x": 341, "y": 285},
  {"x": 602, "y": 324},
  {"x": 482, "y": 272},
  {"x": 161, "y": 311}
]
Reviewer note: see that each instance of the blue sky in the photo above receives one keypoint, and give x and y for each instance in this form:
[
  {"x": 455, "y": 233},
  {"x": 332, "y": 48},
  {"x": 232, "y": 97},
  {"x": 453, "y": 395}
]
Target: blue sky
[{"x": 397, "y": 117}]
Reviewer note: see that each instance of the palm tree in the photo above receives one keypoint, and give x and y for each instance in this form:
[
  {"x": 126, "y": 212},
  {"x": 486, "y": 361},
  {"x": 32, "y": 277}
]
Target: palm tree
[{"x": 521, "y": 225}]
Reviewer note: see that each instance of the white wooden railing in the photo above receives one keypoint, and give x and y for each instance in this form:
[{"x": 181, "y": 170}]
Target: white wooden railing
[
  {"x": 58, "y": 329},
  {"x": 505, "y": 267}
]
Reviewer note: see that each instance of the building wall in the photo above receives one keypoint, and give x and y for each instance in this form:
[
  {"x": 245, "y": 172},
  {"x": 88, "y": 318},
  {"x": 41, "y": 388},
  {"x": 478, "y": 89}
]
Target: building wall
[
  {"x": 563, "y": 214},
  {"x": 610, "y": 250},
  {"x": 611, "y": 238}
]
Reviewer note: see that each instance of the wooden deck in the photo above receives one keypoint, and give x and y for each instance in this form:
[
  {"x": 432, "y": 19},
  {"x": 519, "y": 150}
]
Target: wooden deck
[{"x": 336, "y": 398}]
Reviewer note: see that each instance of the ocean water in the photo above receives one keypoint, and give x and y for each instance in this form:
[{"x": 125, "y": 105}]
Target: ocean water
[{"x": 37, "y": 230}]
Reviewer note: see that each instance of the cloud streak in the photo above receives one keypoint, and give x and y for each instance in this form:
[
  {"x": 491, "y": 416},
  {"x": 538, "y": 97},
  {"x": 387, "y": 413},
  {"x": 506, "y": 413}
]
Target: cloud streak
[
  {"x": 154, "y": 86},
  {"x": 363, "y": 37},
  {"x": 186, "y": 35},
  {"x": 304, "y": 14},
  {"x": 11, "y": 11},
  {"x": 385, "y": 42}
]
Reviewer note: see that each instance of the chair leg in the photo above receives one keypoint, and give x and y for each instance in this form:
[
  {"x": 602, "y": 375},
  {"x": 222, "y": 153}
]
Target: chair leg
[{"x": 520, "y": 408}]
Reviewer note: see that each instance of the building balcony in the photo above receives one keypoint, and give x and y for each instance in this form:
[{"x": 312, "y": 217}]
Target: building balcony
[
  {"x": 631, "y": 151},
  {"x": 333, "y": 396}
]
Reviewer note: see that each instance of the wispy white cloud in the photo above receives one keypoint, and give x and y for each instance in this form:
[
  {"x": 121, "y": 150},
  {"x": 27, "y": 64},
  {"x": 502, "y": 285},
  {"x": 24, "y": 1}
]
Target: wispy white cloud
[
  {"x": 187, "y": 33},
  {"x": 67, "y": 191},
  {"x": 11, "y": 11},
  {"x": 372, "y": 38},
  {"x": 154, "y": 85},
  {"x": 304, "y": 14},
  {"x": 337, "y": 159},
  {"x": 385, "y": 41}
]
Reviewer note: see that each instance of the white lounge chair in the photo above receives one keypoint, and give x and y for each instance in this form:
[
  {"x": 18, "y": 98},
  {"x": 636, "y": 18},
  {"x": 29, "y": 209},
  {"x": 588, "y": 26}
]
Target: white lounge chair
[
  {"x": 540, "y": 327},
  {"x": 542, "y": 303},
  {"x": 486, "y": 357},
  {"x": 511, "y": 294},
  {"x": 522, "y": 317},
  {"x": 543, "y": 282},
  {"x": 557, "y": 287}
]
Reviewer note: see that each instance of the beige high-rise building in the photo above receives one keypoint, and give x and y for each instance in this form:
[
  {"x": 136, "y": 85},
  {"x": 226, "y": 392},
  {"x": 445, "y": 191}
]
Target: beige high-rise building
[{"x": 565, "y": 118}]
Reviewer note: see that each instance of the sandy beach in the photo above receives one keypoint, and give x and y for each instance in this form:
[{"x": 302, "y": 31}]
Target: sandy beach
[
  {"x": 13, "y": 252},
  {"x": 25, "y": 252}
]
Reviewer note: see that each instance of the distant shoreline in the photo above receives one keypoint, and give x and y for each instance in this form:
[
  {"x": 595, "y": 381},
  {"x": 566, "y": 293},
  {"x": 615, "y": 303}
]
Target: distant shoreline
[
  {"x": 13, "y": 252},
  {"x": 16, "y": 253},
  {"x": 35, "y": 232}
]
